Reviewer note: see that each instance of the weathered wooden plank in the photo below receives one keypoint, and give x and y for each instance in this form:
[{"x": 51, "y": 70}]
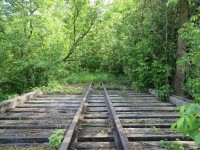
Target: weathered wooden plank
[
  {"x": 11, "y": 103},
  {"x": 95, "y": 125},
  {"x": 97, "y": 129},
  {"x": 137, "y": 109},
  {"x": 136, "y": 93},
  {"x": 135, "y": 101},
  {"x": 42, "y": 110},
  {"x": 95, "y": 145},
  {"x": 95, "y": 134},
  {"x": 24, "y": 146},
  {"x": 141, "y": 137},
  {"x": 36, "y": 126},
  {"x": 146, "y": 125},
  {"x": 128, "y": 97},
  {"x": 21, "y": 116},
  {"x": 143, "y": 104},
  {"x": 148, "y": 121},
  {"x": 58, "y": 99},
  {"x": 96, "y": 105},
  {"x": 96, "y": 101},
  {"x": 149, "y": 131},
  {"x": 144, "y": 145},
  {"x": 149, "y": 115},
  {"x": 97, "y": 109},
  {"x": 15, "y": 133},
  {"x": 23, "y": 139},
  {"x": 159, "y": 145},
  {"x": 95, "y": 121},
  {"x": 95, "y": 116},
  {"x": 133, "y": 95},
  {"x": 46, "y": 105},
  {"x": 52, "y": 102},
  {"x": 178, "y": 101},
  {"x": 96, "y": 95},
  {"x": 50, "y": 121},
  {"x": 57, "y": 95}
]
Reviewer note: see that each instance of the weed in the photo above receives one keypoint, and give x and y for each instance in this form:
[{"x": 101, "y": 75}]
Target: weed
[
  {"x": 57, "y": 88},
  {"x": 155, "y": 129},
  {"x": 188, "y": 123},
  {"x": 56, "y": 138},
  {"x": 177, "y": 145},
  {"x": 165, "y": 144},
  {"x": 151, "y": 121},
  {"x": 20, "y": 119},
  {"x": 163, "y": 92},
  {"x": 86, "y": 77},
  {"x": 172, "y": 145}
]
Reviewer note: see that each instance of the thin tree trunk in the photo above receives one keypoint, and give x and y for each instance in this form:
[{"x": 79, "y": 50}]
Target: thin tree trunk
[{"x": 181, "y": 48}]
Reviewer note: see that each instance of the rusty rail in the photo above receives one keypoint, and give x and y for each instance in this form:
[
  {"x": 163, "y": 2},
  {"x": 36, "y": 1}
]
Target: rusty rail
[
  {"x": 120, "y": 137},
  {"x": 68, "y": 136}
]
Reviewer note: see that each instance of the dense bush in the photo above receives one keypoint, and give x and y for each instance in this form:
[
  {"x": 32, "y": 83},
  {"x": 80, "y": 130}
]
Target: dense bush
[
  {"x": 45, "y": 41},
  {"x": 191, "y": 33}
]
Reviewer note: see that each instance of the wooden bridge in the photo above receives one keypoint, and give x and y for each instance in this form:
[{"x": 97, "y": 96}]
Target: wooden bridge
[{"x": 102, "y": 119}]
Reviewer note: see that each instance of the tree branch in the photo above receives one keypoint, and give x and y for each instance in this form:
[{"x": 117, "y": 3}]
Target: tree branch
[{"x": 77, "y": 42}]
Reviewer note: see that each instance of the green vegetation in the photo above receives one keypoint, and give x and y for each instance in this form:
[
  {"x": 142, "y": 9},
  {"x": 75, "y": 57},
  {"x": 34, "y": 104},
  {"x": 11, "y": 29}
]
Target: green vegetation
[
  {"x": 58, "y": 88},
  {"x": 44, "y": 42},
  {"x": 87, "y": 77},
  {"x": 56, "y": 138},
  {"x": 176, "y": 145},
  {"x": 54, "y": 44},
  {"x": 188, "y": 123}
]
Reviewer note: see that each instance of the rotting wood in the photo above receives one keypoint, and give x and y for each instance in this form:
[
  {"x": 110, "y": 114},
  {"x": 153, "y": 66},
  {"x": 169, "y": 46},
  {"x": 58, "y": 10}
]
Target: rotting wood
[{"x": 11, "y": 103}]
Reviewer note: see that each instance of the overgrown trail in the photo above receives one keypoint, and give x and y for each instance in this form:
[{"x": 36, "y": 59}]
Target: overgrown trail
[{"x": 106, "y": 118}]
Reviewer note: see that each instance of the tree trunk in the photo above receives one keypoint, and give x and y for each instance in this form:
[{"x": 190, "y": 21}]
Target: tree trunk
[{"x": 181, "y": 48}]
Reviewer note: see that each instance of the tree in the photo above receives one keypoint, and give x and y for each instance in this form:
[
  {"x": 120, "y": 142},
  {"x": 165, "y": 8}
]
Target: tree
[
  {"x": 83, "y": 16},
  {"x": 181, "y": 49}
]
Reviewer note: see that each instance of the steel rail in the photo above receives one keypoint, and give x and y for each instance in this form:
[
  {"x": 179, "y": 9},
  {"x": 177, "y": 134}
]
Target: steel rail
[
  {"x": 68, "y": 136},
  {"x": 120, "y": 137}
]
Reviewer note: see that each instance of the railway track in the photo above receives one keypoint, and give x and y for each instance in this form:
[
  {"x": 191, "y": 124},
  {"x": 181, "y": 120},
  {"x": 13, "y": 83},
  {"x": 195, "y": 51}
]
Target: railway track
[{"x": 102, "y": 119}]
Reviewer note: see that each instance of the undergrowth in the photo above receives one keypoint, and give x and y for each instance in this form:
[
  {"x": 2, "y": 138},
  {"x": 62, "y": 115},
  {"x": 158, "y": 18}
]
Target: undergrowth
[
  {"x": 55, "y": 87},
  {"x": 73, "y": 83},
  {"x": 86, "y": 77},
  {"x": 56, "y": 138},
  {"x": 5, "y": 96}
]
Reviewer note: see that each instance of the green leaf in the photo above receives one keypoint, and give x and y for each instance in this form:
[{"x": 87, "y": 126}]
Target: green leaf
[
  {"x": 180, "y": 124},
  {"x": 189, "y": 121},
  {"x": 173, "y": 126},
  {"x": 182, "y": 109},
  {"x": 197, "y": 139}
]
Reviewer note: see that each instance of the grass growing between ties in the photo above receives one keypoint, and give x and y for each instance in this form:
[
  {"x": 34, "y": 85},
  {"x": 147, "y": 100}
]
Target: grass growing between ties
[
  {"x": 87, "y": 77},
  {"x": 62, "y": 88},
  {"x": 76, "y": 83},
  {"x": 175, "y": 145},
  {"x": 56, "y": 138}
]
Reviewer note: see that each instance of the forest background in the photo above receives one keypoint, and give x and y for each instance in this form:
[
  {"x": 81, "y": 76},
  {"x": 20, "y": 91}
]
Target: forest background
[{"x": 148, "y": 43}]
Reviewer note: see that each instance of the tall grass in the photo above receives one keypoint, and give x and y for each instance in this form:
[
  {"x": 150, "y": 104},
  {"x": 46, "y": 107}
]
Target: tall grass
[{"x": 86, "y": 77}]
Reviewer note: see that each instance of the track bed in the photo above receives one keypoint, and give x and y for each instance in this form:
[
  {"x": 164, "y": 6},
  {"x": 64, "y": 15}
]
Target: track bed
[{"x": 102, "y": 119}]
